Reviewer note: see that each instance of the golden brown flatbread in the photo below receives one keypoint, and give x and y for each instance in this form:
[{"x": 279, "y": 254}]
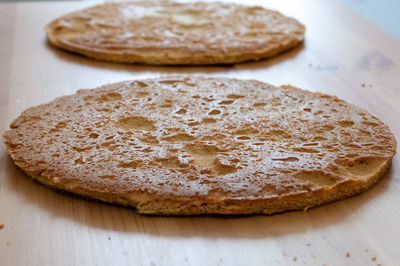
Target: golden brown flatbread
[
  {"x": 196, "y": 145},
  {"x": 169, "y": 33}
]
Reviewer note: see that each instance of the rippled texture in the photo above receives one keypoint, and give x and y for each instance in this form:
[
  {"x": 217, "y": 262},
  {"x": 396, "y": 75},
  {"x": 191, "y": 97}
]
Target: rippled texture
[{"x": 192, "y": 145}]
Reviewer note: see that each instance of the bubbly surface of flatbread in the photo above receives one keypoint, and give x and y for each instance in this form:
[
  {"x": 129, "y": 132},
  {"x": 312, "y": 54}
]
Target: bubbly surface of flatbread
[
  {"x": 169, "y": 33},
  {"x": 194, "y": 145}
]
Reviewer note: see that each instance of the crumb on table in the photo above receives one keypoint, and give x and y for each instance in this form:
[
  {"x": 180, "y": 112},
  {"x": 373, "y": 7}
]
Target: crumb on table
[
  {"x": 348, "y": 255},
  {"x": 1, "y": 226}
]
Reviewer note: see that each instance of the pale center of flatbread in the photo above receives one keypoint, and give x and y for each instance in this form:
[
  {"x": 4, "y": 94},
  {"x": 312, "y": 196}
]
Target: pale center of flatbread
[{"x": 187, "y": 16}]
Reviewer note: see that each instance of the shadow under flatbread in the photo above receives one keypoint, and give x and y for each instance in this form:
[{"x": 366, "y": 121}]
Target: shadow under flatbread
[
  {"x": 170, "y": 69},
  {"x": 122, "y": 219},
  {"x": 278, "y": 59}
]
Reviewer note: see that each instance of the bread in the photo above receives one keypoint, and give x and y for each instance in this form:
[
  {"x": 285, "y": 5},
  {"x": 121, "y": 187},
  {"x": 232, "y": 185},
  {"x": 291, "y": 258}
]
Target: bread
[
  {"x": 194, "y": 145},
  {"x": 169, "y": 33}
]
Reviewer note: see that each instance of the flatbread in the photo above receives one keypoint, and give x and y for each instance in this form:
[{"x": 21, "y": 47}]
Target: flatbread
[
  {"x": 169, "y": 33},
  {"x": 194, "y": 145}
]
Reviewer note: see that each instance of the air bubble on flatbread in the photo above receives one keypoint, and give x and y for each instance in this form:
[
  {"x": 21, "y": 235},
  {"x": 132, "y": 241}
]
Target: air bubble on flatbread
[{"x": 136, "y": 122}]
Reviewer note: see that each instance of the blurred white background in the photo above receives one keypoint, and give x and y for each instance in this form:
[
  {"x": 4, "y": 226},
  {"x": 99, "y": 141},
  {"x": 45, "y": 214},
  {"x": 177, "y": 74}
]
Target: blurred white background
[{"x": 384, "y": 13}]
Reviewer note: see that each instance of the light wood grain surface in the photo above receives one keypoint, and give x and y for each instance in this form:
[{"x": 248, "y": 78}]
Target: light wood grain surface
[{"x": 343, "y": 54}]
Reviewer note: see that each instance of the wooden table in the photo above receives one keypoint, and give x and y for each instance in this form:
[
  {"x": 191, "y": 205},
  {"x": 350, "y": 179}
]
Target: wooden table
[{"x": 343, "y": 54}]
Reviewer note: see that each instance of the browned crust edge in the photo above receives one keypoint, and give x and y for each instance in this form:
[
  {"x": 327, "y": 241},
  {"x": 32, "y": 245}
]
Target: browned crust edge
[
  {"x": 148, "y": 204},
  {"x": 192, "y": 59}
]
